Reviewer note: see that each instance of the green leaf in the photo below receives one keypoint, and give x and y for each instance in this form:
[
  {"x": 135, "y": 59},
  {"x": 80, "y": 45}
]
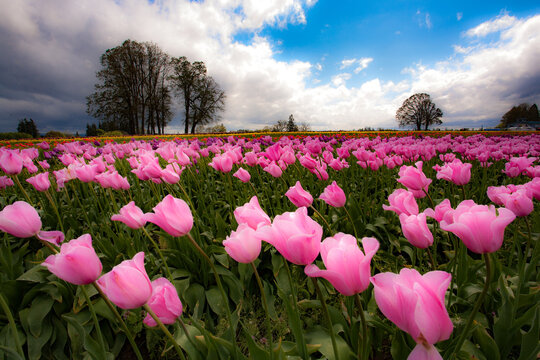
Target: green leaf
[
  {"x": 530, "y": 346},
  {"x": 38, "y": 311},
  {"x": 488, "y": 346},
  {"x": 321, "y": 338},
  {"x": 215, "y": 300}
]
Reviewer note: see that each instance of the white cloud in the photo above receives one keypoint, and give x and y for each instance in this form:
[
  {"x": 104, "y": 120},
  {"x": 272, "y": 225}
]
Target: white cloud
[
  {"x": 429, "y": 25},
  {"x": 459, "y": 16},
  {"x": 340, "y": 79},
  {"x": 501, "y": 22},
  {"x": 346, "y": 63},
  {"x": 362, "y": 64}
]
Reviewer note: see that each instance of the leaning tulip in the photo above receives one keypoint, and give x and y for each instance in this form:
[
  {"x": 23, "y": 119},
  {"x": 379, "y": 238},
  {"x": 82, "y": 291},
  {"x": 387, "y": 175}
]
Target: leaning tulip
[
  {"x": 172, "y": 215},
  {"x": 519, "y": 202},
  {"x": 243, "y": 245},
  {"x": 251, "y": 214},
  {"x": 77, "y": 261},
  {"x": 242, "y": 175},
  {"x": 298, "y": 196},
  {"x": 333, "y": 195},
  {"x": 20, "y": 219},
  {"x": 295, "y": 235},
  {"x": 415, "y": 230},
  {"x": 131, "y": 215},
  {"x": 347, "y": 267},
  {"x": 11, "y": 162},
  {"x": 441, "y": 211},
  {"x": 402, "y": 202},
  {"x": 127, "y": 284},
  {"x": 480, "y": 227},
  {"x": 415, "y": 303},
  {"x": 40, "y": 182},
  {"x": 164, "y": 302},
  {"x": 457, "y": 172}
]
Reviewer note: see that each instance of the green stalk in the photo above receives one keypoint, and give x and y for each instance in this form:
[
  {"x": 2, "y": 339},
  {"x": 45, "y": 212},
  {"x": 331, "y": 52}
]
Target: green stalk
[
  {"x": 475, "y": 309},
  {"x": 22, "y": 189},
  {"x": 12, "y": 325},
  {"x": 220, "y": 286},
  {"x": 322, "y": 218},
  {"x": 53, "y": 204},
  {"x": 352, "y": 222},
  {"x": 167, "y": 333},
  {"x": 265, "y": 305},
  {"x": 362, "y": 349},
  {"x": 122, "y": 323},
  {"x": 159, "y": 253},
  {"x": 327, "y": 315},
  {"x": 433, "y": 264},
  {"x": 94, "y": 318},
  {"x": 302, "y": 345}
]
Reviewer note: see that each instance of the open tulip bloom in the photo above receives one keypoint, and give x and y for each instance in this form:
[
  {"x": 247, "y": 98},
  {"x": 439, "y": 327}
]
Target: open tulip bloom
[
  {"x": 415, "y": 303},
  {"x": 347, "y": 267},
  {"x": 164, "y": 302}
]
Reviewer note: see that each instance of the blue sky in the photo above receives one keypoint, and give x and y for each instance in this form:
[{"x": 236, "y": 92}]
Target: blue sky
[{"x": 335, "y": 65}]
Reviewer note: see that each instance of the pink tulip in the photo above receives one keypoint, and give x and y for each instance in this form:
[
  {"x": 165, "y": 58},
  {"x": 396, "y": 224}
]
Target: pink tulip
[
  {"x": 333, "y": 195},
  {"x": 172, "y": 215},
  {"x": 273, "y": 169},
  {"x": 295, "y": 235},
  {"x": 20, "y": 220},
  {"x": 415, "y": 230},
  {"x": 534, "y": 188},
  {"x": 441, "y": 211},
  {"x": 414, "y": 179},
  {"x": 480, "y": 227},
  {"x": 54, "y": 237},
  {"x": 415, "y": 303},
  {"x": 131, "y": 215},
  {"x": 243, "y": 245},
  {"x": 251, "y": 214},
  {"x": 11, "y": 162},
  {"x": 243, "y": 175},
  {"x": 40, "y": 182},
  {"x": 222, "y": 163},
  {"x": 164, "y": 302},
  {"x": 127, "y": 284},
  {"x": 519, "y": 202},
  {"x": 77, "y": 262},
  {"x": 5, "y": 182},
  {"x": 402, "y": 202},
  {"x": 347, "y": 268},
  {"x": 457, "y": 172},
  {"x": 298, "y": 196}
]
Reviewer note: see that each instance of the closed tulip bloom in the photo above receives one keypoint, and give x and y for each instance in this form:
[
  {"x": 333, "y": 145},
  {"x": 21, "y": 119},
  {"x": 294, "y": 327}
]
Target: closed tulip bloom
[
  {"x": 76, "y": 263},
  {"x": 402, "y": 202},
  {"x": 295, "y": 235},
  {"x": 251, "y": 214},
  {"x": 11, "y": 162},
  {"x": 415, "y": 230},
  {"x": 5, "y": 182},
  {"x": 131, "y": 215},
  {"x": 242, "y": 175},
  {"x": 172, "y": 215},
  {"x": 40, "y": 182},
  {"x": 415, "y": 303},
  {"x": 20, "y": 220},
  {"x": 243, "y": 245},
  {"x": 480, "y": 227},
  {"x": 457, "y": 172},
  {"x": 333, "y": 195},
  {"x": 298, "y": 196},
  {"x": 519, "y": 202},
  {"x": 273, "y": 169},
  {"x": 222, "y": 163},
  {"x": 127, "y": 285},
  {"x": 414, "y": 179},
  {"x": 347, "y": 267},
  {"x": 164, "y": 302}
]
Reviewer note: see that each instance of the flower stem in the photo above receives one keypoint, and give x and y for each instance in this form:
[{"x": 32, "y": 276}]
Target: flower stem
[
  {"x": 122, "y": 323},
  {"x": 94, "y": 318},
  {"x": 220, "y": 286},
  {"x": 12, "y": 325},
  {"x": 327, "y": 315},
  {"x": 322, "y": 218},
  {"x": 362, "y": 349},
  {"x": 167, "y": 332},
  {"x": 22, "y": 189},
  {"x": 352, "y": 222},
  {"x": 475, "y": 309},
  {"x": 433, "y": 264},
  {"x": 302, "y": 345},
  {"x": 159, "y": 253},
  {"x": 265, "y": 304},
  {"x": 53, "y": 204}
]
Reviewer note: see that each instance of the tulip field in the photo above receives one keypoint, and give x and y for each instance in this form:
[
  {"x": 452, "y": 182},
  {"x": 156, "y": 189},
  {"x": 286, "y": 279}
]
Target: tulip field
[{"x": 304, "y": 246}]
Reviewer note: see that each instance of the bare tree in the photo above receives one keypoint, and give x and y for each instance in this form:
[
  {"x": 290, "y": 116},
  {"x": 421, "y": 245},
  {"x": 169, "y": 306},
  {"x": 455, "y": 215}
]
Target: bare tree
[
  {"x": 418, "y": 110},
  {"x": 207, "y": 103}
]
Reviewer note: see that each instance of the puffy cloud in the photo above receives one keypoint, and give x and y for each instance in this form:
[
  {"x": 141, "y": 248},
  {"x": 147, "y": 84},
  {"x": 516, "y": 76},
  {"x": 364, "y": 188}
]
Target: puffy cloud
[{"x": 501, "y": 22}]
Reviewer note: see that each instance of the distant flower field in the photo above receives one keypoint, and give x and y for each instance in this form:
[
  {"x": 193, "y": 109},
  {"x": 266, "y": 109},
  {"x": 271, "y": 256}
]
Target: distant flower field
[{"x": 355, "y": 245}]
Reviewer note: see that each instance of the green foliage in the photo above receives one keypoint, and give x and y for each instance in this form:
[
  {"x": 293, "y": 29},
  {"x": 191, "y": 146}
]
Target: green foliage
[
  {"x": 53, "y": 134},
  {"x": 14, "y": 136},
  {"x": 521, "y": 113}
]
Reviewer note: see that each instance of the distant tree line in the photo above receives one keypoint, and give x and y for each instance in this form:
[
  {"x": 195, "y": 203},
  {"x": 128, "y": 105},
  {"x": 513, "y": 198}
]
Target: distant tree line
[
  {"x": 135, "y": 89},
  {"x": 287, "y": 126},
  {"x": 28, "y": 126},
  {"x": 520, "y": 114}
]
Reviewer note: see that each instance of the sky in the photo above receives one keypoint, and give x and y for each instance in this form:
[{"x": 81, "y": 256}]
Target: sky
[{"x": 334, "y": 65}]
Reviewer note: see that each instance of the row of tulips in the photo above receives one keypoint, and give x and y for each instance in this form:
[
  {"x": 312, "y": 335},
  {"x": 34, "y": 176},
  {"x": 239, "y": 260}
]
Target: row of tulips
[{"x": 416, "y": 303}]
